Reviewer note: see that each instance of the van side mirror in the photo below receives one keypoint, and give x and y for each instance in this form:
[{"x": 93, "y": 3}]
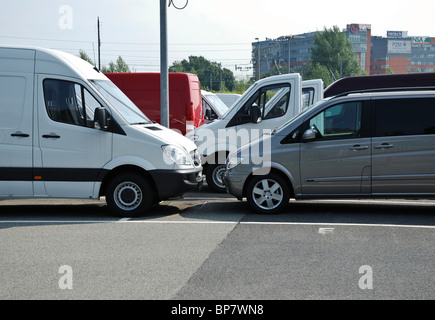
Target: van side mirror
[
  {"x": 208, "y": 114},
  {"x": 101, "y": 119},
  {"x": 255, "y": 114},
  {"x": 309, "y": 135}
]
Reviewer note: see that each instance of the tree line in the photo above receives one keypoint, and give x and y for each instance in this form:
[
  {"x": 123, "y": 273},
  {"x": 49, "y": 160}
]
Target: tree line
[{"x": 331, "y": 58}]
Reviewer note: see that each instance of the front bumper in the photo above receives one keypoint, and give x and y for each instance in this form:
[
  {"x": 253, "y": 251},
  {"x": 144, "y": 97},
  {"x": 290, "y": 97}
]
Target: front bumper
[
  {"x": 174, "y": 183},
  {"x": 234, "y": 183}
]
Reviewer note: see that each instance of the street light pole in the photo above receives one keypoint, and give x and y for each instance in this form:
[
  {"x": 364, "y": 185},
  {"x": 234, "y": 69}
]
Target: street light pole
[
  {"x": 289, "y": 37},
  {"x": 258, "y": 55},
  {"x": 164, "y": 76}
]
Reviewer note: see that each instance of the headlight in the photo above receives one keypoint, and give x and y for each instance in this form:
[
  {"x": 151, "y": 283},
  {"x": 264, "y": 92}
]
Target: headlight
[
  {"x": 177, "y": 155},
  {"x": 234, "y": 162}
]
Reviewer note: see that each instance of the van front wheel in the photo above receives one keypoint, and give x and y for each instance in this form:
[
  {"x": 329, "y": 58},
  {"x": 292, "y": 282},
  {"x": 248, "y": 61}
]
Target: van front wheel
[
  {"x": 129, "y": 195},
  {"x": 268, "y": 194}
]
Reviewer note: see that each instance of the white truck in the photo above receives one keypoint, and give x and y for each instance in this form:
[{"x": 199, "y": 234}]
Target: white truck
[
  {"x": 66, "y": 131},
  {"x": 267, "y": 104}
]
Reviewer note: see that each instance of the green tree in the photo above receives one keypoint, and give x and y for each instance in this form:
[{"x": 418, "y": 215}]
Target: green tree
[
  {"x": 84, "y": 56},
  {"x": 118, "y": 67},
  {"x": 240, "y": 85},
  {"x": 333, "y": 51},
  {"x": 319, "y": 71},
  {"x": 211, "y": 75}
]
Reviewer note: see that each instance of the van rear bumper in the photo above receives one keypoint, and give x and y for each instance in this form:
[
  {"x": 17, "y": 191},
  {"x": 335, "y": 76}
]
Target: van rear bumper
[{"x": 174, "y": 183}]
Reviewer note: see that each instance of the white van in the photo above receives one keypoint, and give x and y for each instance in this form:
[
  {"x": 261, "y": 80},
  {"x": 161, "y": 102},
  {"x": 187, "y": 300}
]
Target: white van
[
  {"x": 267, "y": 104},
  {"x": 214, "y": 107},
  {"x": 66, "y": 131},
  {"x": 229, "y": 98}
]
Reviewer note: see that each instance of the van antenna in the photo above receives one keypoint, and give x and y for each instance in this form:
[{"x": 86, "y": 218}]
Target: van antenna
[
  {"x": 95, "y": 65},
  {"x": 93, "y": 50}
]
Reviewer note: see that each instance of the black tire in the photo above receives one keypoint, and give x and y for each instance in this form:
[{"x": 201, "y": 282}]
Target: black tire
[
  {"x": 214, "y": 177},
  {"x": 268, "y": 194},
  {"x": 129, "y": 195}
]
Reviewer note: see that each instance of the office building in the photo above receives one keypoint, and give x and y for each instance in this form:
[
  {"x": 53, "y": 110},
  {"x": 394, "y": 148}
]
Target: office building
[{"x": 396, "y": 53}]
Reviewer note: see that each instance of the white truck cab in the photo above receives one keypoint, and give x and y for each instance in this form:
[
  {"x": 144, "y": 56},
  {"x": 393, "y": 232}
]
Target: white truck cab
[
  {"x": 214, "y": 107},
  {"x": 267, "y": 104},
  {"x": 66, "y": 131}
]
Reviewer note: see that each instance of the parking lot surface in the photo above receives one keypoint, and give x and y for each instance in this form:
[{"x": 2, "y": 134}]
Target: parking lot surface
[{"x": 210, "y": 246}]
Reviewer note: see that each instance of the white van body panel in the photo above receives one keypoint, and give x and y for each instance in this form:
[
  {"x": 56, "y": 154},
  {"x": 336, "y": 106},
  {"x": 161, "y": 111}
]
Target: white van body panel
[
  {"x": 217, "y": 137},
  {"x": 42, "y": 156},
  {"x": 16, "y": 90}
]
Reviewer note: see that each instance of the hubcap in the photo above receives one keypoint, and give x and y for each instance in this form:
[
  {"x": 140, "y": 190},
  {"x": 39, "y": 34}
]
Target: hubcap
[
  {"x": 267, "y": 194},
  {"x": 218, "y": 176},
  {"x": 128, "y": 196}
]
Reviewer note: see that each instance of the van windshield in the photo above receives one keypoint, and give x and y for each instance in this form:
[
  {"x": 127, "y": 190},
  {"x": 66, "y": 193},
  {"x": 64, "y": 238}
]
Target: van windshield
[
  {"x": 218, "y": 104},
  {"x": 120, "y": 102}
]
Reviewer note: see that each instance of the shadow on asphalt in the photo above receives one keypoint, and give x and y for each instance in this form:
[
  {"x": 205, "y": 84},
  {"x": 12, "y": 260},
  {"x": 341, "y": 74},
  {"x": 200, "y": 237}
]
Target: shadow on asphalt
[{"x": 206, "y": 206}]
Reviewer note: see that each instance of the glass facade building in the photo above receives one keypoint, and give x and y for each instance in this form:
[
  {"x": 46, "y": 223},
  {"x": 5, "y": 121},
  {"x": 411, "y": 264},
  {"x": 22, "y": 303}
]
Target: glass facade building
[{"x": 396, "y": 53}]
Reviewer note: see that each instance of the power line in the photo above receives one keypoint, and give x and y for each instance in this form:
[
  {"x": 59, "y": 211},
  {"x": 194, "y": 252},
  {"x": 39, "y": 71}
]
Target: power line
[{"x": 130, "y": 43}]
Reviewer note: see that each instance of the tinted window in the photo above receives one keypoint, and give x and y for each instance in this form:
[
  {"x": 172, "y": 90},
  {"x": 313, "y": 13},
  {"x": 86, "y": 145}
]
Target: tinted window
[
  {"x": 398, "y": 117},
  {"x": 69, "y": 102},
  {"x": 339, "y": 121}
]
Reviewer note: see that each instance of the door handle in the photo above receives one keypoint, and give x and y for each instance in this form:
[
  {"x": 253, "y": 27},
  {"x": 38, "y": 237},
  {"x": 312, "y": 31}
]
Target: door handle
[
  {"x": 358, "y": 147},
  {"x": 383, "y": 146},
  {"x": 53, "y": 136},
  {"x": 20, "y": 134}
]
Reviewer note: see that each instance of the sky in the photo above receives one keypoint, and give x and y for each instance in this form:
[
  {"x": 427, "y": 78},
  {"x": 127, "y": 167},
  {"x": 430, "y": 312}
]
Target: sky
[{"x": 222, "y": 31}]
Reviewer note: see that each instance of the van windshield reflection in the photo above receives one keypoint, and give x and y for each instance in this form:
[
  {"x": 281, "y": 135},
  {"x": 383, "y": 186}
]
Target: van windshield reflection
[{"x": 120, "y": 102}]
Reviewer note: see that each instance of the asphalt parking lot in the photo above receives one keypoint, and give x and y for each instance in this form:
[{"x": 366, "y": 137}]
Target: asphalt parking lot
[{"x": 208, "y": 246}]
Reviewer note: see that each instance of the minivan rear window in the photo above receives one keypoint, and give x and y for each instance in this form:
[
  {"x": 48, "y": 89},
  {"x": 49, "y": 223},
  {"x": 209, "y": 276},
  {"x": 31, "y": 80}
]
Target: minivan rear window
[{"x": 399, "y": 117}]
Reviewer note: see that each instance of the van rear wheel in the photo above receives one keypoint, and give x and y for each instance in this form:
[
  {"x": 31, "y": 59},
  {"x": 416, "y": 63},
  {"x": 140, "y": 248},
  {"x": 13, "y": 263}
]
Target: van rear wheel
[
  {"x": 215, "y": 177},
  {"x": 129, "y": 195}
]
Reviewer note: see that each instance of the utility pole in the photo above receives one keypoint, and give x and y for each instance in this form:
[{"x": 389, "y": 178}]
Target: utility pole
[
  {"x": 164, "y": 75},
  {"x": 99, "y": 44},
  {"x": 258, "y": 54}
]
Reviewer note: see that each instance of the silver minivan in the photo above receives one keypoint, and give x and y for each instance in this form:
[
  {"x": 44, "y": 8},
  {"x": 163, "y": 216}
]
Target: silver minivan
[{"x": 359, "y": 145}]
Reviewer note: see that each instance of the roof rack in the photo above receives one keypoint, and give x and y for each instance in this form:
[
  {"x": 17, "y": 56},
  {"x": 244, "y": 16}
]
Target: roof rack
[
  {"x": 389, "y": 81},
  {"x": 375, "y": 90}
]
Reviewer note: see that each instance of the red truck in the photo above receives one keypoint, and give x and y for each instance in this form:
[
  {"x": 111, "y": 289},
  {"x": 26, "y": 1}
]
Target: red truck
[{"x": 185, "y": 102}]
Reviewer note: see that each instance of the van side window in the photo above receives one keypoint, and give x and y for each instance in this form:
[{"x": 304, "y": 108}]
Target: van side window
[
  {"x": 399, "y": 117},
  {"x": 307, "y": 97},
  {"x": 210, "y": 115},
  {"x": 69, "y": 102},
  {"x": 339, "y": 121},
  {"x": 273, "y": 102}
]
